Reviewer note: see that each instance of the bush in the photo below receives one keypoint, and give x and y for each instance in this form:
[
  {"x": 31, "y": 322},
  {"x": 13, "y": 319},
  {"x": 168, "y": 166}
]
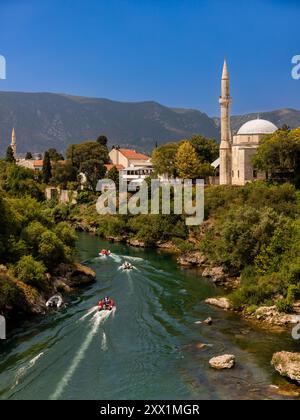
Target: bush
[
  {"x": 31, "y": 272},
  {"x": 52, "y": 250}
]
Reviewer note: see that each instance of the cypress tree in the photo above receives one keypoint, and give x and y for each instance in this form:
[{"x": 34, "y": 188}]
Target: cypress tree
[
  {"x": 10, "y": 157},
  {"x": 47, "y": 172}
]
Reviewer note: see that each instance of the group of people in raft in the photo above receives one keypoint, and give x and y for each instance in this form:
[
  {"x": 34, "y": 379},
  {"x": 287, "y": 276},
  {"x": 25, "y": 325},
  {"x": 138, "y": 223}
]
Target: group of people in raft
[{"x": 107, "y": 304}]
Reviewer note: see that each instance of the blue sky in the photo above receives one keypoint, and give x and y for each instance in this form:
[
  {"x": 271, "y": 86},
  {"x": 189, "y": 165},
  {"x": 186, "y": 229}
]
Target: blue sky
[{"x": 170, "y": 51}]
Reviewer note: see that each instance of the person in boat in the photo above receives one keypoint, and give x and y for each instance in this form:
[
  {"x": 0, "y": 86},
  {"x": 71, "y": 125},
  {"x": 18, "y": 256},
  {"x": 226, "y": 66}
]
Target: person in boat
[
  {"x": 106, "y": 304},
  {"x": 127, "y": 266},
  {"x": 105, "y": 252}
]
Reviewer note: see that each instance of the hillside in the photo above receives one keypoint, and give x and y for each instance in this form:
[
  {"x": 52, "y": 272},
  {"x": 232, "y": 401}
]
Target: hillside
[{"x": 44, "y": 120}]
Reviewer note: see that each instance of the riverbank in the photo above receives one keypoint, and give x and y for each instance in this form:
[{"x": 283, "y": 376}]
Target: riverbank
[
  {"x": 158, "y": 309},
  {"x": 22, "y": 299}
]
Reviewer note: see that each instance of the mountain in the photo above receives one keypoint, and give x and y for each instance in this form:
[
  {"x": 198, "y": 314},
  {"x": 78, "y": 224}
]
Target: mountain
[{"x": 44, "y": 120}]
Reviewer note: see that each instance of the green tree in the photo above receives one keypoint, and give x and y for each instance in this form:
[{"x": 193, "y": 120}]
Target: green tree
[
  {"x": 10, "y": 157},
  {"x": 279, "y": 155},
  {"x": 163, "y": 159},
  {"x": 51, "y": 250},
  {"x": 81, "y": 153},
  {"x": 47, "y": 170},
  {"x": 31, "y": 272},
  {"x": 94, "y": 170},
  {"x": 187, "y": 161},
  {"x": 55, "y": 155},
  {"x": 207, "y": 149},
  {"x": 102, "y": 140},
  {"x": 63, "y": 173},
  {"x": 114, "y": 175},
  {"x": 29, "y": 156}
]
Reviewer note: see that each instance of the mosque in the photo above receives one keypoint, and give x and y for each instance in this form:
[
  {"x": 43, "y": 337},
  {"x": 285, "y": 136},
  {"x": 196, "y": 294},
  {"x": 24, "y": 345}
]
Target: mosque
[{"x": 237, "y": 151}]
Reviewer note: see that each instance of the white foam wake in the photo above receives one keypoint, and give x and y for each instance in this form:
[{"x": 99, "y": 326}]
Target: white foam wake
[
  {"x": 98, "y": 319},
  {"x": 90, "y": 312},
  {"x": 104, "y": 342},
  {"x": 23, "y": 370}
]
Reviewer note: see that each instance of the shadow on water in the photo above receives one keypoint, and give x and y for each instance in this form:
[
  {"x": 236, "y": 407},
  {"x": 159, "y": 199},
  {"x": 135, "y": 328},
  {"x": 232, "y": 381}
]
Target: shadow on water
[{"x": 151, "y": 348}]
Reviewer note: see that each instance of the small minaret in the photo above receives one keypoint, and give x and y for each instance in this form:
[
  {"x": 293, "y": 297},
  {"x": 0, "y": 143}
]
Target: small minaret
[
  {"x": 226, "y": 143},
  {"x": 14, "y": 142}
]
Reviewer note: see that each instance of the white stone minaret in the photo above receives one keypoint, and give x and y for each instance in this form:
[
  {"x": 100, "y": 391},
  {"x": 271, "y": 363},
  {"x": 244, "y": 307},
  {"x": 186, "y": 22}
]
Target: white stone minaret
[
  {"x": 226, "y": 141},
  {"x": 14, "y": 142}
]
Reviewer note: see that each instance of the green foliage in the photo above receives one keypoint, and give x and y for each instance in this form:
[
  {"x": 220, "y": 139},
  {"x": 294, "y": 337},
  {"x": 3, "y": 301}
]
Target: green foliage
[
  {"x": 89, "y": 151},
  {"x": 54, "y": 155},
  {"x": 102, "y": 140},
  {"x": 279, "y": 155},
  {"x": 29, "y": 156},
  {"x": 10, "y": 157},
  {"x": 94, "y": 170},
  {"x": 187, "y": 162},
  {"x": 52, "y": 250},
  {"x": 163, "y": 159},
  {"x": 31, "y": 272},
  {"x": 63, "y": 173},
  {"x": 19, "y": 182},
  {"x": 114, "y": 175},
  {"x": 47, "y": 169},
  {"x": 207, "y": 149}
]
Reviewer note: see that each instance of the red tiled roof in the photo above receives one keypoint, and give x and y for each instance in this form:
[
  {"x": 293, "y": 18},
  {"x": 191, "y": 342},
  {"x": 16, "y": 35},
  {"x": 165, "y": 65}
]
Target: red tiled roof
[
  {"x": 110, "y": 166},
  {"x": 38, "y": 163},
  {"x": 132, "y": 154}
]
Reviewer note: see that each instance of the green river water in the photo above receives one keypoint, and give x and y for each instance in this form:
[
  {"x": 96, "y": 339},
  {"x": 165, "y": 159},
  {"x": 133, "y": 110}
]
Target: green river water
[{"x": 150, "y": 348}]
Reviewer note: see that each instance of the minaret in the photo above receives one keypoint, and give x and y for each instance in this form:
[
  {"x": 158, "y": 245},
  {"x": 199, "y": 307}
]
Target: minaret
[
  {"x": 14, "y": 142},
  {"x": 226, "y": 143}
]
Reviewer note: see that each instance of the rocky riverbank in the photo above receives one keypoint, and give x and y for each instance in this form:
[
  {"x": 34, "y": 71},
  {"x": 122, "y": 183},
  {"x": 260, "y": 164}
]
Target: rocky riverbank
[
  {"x": 265, "y": 315},
  {"x": 19, "y": 298}
]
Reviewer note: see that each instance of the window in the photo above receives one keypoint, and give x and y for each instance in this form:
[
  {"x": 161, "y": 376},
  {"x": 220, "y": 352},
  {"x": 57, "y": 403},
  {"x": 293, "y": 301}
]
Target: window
[{"x": 254, "y": 174}]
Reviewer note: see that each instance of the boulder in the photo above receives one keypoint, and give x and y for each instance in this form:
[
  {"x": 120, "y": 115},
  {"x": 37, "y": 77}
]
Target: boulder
[
  {"x": 75, "y": 275},
  {"x": 190, "y": 259},
  {"x": 221, "y": 302},
  {"x": 288, "y": 365},
  {"x": 227, "y": 361},
  {"x": 136, "y": 243},
  {"x": 218, "y": 276},
  {"x": 271, "y": 315}
]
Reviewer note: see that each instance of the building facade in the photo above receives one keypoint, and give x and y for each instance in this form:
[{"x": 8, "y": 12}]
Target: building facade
[{"x": 237, "y": 152}]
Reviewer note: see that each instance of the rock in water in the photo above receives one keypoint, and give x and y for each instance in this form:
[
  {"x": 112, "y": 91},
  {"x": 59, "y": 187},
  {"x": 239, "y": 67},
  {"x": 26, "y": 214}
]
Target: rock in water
[
  {"x": 288, "y": 365},
  {"x": 223, "y": 362},
  {"x": 208, "y": 321},
  {"x": 222, "y": 303}
]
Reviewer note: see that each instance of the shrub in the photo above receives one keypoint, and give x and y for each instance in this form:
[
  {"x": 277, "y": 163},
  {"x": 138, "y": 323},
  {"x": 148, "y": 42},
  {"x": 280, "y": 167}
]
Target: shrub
[{"x": 31, "y": 272}]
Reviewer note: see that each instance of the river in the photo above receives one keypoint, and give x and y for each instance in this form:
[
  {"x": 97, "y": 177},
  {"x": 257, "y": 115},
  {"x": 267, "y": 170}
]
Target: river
[{"x": 150, "y": 348}]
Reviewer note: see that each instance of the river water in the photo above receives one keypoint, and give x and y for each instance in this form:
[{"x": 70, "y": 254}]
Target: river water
[{"x": 149, "y": 348}]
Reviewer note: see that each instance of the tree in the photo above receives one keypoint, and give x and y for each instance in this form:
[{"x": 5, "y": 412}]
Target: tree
[
  {"x": 163, "y": 159},
  {"x": 102, "y": 140},
  {"x": 114, "y": 175},
  {"x": 63, "y": 172},
  {"x": 10, "y": 157},
  {"x": 28, "y": 156},
  {"x": 55, "y": 155},
  {"x": 94, "y": 170},
  {"x": 279, "y": 155},
  {"x": 31, "y": 272},
  {"x": 47, "y": 170},
  {"x": 207, "y": 149},
  {"x": 187, "y": 162},
  {"x": 81, "y": 153}
]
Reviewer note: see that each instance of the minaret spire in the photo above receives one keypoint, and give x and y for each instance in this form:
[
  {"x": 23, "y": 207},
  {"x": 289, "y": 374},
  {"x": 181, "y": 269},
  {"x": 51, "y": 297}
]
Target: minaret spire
[
  {"x": 226, "y": 143},
  {"x": 14, "y": 142}
]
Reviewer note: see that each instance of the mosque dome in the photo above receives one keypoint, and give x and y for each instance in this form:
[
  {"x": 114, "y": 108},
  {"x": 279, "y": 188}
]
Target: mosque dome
[{"x": 257, "y": 126}]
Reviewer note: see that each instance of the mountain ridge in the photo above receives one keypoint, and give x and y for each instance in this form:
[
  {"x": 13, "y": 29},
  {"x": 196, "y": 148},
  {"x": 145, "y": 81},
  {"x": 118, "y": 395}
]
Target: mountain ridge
[{"x": 44, "y": 120}]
